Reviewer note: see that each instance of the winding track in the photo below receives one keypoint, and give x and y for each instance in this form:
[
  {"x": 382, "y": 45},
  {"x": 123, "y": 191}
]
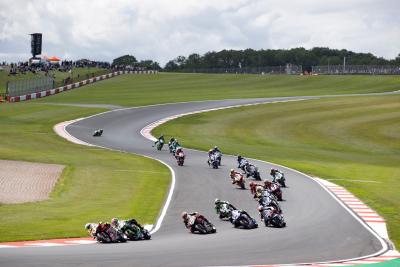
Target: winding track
[{"x": 319, "y": 229}]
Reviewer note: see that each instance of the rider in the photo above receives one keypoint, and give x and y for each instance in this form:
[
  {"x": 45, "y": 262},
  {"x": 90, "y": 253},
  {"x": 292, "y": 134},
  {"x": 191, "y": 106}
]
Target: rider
[
  {"x": 98, "y": 132},
  {"x": 161, "y": 138},
  {"x": 267, "y": 185},
  {"x": 271, "y": 211},
  {"x": 236, "y": 214},
  {"x": 241, "y": 161},
  {"x": 235, "y": 176},
  {"x": 190, "y": 220},
  {"x": 123, "y": 225},
  {"x": 210, "y": 153},
  {"x": 256, "y": 189},
  {"x": 218, "y": 205},
  {"x": 273, "y": 173},
  {"x": 175, "y": 145},
  {"x": 215, "y": 149},
  {"x": 91, "y": 228},
  {"x": 179, "y": 150}
]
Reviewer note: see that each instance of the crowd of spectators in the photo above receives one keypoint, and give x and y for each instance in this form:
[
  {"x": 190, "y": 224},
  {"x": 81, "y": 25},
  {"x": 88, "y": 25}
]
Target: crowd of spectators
[{"x": 46, "y": 67}]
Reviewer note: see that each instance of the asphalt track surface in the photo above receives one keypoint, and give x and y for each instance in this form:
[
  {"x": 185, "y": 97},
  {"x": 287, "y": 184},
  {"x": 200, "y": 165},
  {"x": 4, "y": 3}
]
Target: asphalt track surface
[{"x": 318, "y": 228}]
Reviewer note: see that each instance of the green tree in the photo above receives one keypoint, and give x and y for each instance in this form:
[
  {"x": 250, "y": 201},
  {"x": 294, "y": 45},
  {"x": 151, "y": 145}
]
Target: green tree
[{"x": 126, "y": 60}]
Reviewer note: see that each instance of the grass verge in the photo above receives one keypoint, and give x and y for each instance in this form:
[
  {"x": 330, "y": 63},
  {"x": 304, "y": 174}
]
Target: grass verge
[
  {"x": 352, "y": 141},
  {"x": 96, "y": 184}
]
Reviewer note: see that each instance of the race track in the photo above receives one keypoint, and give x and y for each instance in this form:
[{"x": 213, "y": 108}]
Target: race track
[{"x": 318, "y": 228}]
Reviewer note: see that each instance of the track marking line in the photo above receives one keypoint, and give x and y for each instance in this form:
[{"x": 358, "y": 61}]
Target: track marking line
[{"x": 46, "y": 244}]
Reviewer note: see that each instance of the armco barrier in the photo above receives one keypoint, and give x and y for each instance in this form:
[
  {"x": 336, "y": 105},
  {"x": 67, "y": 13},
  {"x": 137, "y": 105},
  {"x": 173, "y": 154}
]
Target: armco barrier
[{"x": 74, "y": 85}]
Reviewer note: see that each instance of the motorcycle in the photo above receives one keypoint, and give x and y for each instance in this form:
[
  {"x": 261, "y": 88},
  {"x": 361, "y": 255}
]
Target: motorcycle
[
  {"x": 239, "y": 181},
  {"x": 131, "y": 234},
  {"x": 240, "y": 219},
  {"x": 134, "y": 232},
  {"x": 98, "y": 132},
  {"x": 180, "y": 158},
  {"x": 160, "y": 144},
  {"x": 272, "y": 218},
  {"x": 252, "y": 170},
  {"x": 202, "y": 226},
  {"x": 225, "y": 211},
  {"x": 275, "y": 189},
  {"x": 270, "y": 201},
  {"x": 110, "y": 235},
  {"x": 213, "y": 161},
  {"x": 280, "y": 178}
]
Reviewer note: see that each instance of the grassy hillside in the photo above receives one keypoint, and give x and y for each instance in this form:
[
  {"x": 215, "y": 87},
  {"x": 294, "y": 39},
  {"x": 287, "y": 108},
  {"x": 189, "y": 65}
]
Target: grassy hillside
[
  {"x": 96, "y": 184},
  {"x": 132, "y": 90},
  {"x": 352, "y": 141}
]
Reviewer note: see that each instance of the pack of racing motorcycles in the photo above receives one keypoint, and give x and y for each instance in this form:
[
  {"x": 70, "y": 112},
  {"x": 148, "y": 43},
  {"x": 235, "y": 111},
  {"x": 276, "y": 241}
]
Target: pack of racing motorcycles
[{"x": 267, "y": 194}]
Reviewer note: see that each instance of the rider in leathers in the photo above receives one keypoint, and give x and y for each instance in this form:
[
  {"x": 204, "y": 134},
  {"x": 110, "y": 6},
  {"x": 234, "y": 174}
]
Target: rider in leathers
[
  {"x": 241, "y": 162},
  {"x": 179, "y": 150},
  {"x": 123, "y": 225},
  {"x": 189, "y": 219},
  {"x": 235, "y": 176},
  {"x": 218, "y": 205},
  {"x": 236, "y": 214}
]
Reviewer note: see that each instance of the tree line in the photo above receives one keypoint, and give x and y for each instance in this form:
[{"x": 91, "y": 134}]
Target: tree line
[{"x": 251, "y": 58}]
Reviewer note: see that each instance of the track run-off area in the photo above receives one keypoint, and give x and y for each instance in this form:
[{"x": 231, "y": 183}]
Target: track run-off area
[{"x": 325, "y": 222}]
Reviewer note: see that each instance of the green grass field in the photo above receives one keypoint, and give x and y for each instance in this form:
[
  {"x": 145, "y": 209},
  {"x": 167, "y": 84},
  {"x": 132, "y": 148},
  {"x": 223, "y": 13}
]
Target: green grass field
[
  {"x": 90, "y": 184},
  {"x": 78, "y": 74},
  {"x": 96, "y": 184},
  {"x": 133, "y": 90},
  {"x": 351, "y": 141}
]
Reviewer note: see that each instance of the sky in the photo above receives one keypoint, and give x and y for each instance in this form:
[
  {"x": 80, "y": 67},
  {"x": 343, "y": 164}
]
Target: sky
[{"x": 161, "y": 30}]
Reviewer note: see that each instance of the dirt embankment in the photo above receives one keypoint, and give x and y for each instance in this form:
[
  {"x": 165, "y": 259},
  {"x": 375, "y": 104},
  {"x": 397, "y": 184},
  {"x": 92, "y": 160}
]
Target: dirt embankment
[{"x": 22, "y": 182}]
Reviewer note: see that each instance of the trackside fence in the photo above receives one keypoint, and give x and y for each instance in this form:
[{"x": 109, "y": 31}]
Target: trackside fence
[
  {"x": 287, "y": 69},
  {"x": 29, "y": 86},
  {"x": 356, "y": 69}
]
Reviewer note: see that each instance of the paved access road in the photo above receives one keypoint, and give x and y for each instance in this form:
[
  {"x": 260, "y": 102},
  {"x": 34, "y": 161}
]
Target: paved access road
[{"x": 318, "y": 227}]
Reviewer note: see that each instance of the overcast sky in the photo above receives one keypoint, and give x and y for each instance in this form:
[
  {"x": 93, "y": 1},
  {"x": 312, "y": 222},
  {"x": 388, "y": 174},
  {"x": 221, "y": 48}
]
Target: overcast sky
[{"x": 162, "y": 30}]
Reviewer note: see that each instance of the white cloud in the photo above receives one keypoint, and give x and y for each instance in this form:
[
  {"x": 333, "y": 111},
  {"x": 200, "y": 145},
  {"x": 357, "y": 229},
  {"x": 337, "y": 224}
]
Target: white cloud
[{"x": 162, "y": 30}]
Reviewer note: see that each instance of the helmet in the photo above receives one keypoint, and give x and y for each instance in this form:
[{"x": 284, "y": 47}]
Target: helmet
[
  {"x": 260, "y": 207},
  {"x": 216, "y": 201},
  {"x": 239, "y": 157},
  {"x": 87, "y": 226},
  {"x": 232, "y": 170},
  {"x": 184, "y": 215},
  {"x": 215, "y": 147},
  {"x": 259, "y": 189},
  {"x": 114, "y": 221}
]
